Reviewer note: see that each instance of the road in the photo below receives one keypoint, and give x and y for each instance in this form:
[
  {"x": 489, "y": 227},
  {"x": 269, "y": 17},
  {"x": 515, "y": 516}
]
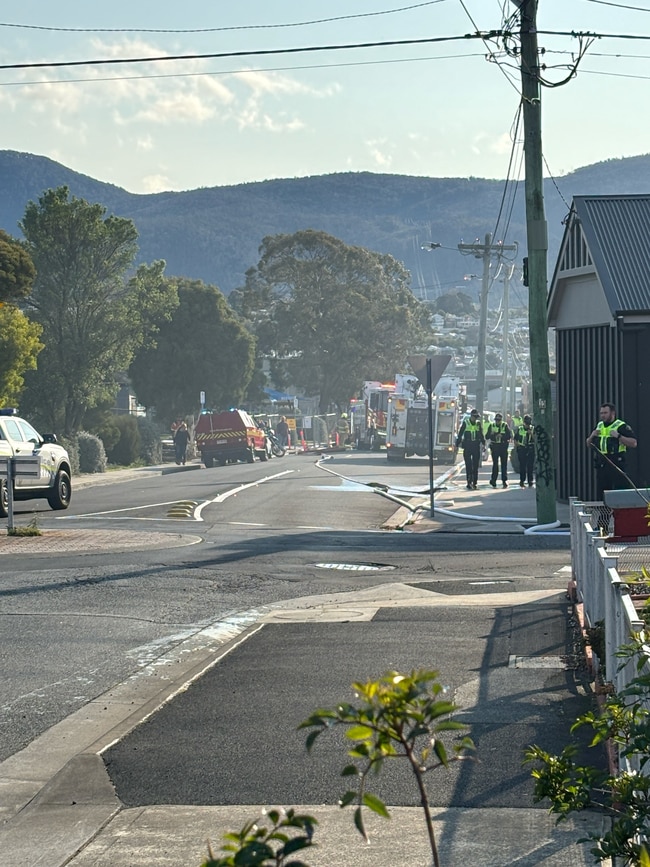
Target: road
[{"x": 76, "y": 624}]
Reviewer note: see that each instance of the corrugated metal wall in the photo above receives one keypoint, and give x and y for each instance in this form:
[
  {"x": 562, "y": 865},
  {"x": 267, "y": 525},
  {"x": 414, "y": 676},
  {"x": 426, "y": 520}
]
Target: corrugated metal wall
[
  {"x": 588, "y": 373},
  {"x": 596, "y": 365}
]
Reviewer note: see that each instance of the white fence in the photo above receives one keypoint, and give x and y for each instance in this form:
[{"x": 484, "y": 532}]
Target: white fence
[{"x": 596, "y": 567}]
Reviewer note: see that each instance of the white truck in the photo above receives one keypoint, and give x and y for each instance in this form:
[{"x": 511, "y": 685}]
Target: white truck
[
  {"x": 407, "y": 431},
  {"x": 368, "y": 415}
]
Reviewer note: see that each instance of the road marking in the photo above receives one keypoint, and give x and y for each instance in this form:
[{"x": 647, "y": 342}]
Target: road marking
[
  {"x": 245, "y": 524},
  {"x": 115, "y": 511},
  {"x": 233, "y": 491},
  {"x": 197, "y": 512}
]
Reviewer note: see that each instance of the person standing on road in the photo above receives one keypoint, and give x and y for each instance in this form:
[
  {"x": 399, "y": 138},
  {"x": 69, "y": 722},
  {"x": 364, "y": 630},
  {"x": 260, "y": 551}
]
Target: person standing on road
[
  {"x": 181, "y": 441},
  {"x": 282, "y": 432},
  {"x": 610, "y": 439},
  {"x": 343, "y": 429},
  {"x": 525, "y": 441},
  {"x": 499, "y": 435},
  {"x": 472, "y": 439}
]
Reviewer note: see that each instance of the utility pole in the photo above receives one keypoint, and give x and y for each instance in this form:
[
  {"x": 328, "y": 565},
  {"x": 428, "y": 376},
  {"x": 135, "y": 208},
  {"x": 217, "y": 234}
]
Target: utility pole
[
  {"x": 484, "y": 252},
  {"x": 506, "y": 334},
  {"x": 537, "y": 255}
]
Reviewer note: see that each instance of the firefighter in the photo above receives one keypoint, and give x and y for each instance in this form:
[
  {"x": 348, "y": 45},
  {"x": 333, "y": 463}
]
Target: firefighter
[
  {"x": 525, "y": 441},
  {"x": 499, "y": 435},
  {"x": 472, "y": 438},
  {"x": 343, "y": 429}
]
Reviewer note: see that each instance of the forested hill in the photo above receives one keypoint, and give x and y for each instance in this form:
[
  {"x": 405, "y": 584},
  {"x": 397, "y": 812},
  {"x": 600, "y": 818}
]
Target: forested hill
[{"x": 214, "y": 233}]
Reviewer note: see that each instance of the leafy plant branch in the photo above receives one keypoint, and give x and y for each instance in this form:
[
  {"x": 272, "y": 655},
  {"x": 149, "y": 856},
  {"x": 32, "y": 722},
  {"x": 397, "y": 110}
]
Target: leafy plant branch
[
  {"x": 256, "y": 845},
  {"x": 398, "y": 717},
  {"x": 623, "y": 720}
]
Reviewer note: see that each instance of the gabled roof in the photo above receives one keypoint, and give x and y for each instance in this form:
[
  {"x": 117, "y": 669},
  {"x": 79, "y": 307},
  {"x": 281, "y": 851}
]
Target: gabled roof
[{"x": 611, "y": 236}]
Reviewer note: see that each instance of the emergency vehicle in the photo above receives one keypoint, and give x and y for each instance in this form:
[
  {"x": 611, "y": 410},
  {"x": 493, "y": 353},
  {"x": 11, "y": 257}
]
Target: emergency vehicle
[
  {"x": 51, "y": 477},
  {"x": 407, "y": 432},
  {"x": 233, "y": 435},
  {"x": 368, "y": 414}
]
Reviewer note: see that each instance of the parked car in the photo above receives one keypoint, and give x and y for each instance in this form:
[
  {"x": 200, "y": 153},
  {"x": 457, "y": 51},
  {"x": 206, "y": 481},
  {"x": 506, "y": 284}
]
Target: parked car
[{"x": 18, "y": 439}]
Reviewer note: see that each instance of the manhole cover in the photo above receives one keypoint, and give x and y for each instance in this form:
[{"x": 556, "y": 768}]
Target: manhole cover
[{"x": 355, "y": 567}]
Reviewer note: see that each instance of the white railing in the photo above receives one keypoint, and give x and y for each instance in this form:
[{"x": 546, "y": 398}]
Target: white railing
[{"x": 604, "y": 596}]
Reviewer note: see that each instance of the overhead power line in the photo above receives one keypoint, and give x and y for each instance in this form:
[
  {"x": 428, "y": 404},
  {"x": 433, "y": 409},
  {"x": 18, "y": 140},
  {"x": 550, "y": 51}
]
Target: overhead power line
[
  {"x": 252, "y": 53},
  {"x": 219, "y": 29},
  {"x": 482, "y": 35},
  {"x": 620, "y": 5},
  {"x": 217, "y": 72}
]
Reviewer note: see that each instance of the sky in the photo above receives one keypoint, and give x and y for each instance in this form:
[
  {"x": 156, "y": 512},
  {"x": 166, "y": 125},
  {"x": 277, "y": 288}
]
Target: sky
[{"x": 443, "y": 108}]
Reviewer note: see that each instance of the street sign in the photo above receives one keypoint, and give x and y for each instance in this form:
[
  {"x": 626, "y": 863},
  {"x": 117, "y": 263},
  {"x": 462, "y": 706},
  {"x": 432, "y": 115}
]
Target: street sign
[{"x": 418, "y": 364}]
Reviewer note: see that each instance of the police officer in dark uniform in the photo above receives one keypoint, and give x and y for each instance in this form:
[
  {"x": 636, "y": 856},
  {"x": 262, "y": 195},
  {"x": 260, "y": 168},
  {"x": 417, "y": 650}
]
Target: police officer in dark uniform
[
  {"x": 525, "y": 440},
  {"x": 498, "y": 435},
  {"x": 472, "y": 439},
  {"x": 610, "y": 438}
]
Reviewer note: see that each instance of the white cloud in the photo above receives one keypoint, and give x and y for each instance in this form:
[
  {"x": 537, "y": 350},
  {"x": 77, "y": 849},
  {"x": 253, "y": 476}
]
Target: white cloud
[
  {"x": 144, "y": 143},
  {"x": 378, "y": 149},
  {"x": 273, "y": 83},
  {"x": 502, "y": 144},
  {"x": 156, "y": 183}
]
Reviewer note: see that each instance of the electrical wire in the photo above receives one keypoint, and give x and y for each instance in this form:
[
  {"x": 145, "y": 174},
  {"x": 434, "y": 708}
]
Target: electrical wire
[
  {"x": 489, "y": 47},
  {"x": 219, "y": 29},
  {"x": 352, "y": 63},
  {"x": 512, "y": 153},
  {"x": 619, "y": 5},
  {"x": 248, "y": 53}
]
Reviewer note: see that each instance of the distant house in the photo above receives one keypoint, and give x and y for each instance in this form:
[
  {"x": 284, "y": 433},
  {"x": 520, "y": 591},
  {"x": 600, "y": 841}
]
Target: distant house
[{"x": 599, "y": 306}]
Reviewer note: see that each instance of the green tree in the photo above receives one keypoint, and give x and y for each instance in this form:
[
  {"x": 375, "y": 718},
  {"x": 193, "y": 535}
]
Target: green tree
[
  {"x": 203, "y": 347},
  {"x": 336, "y": 315},
  {"x": 17, "y": 271},
  {"x": 19, "y": 347},
  {"x": 458, "y": 303},
  {"x": 93, "y": 318}
]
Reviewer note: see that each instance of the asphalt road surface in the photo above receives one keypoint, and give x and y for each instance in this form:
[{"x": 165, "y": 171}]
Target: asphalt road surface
[{"x": 76, "y": 623}]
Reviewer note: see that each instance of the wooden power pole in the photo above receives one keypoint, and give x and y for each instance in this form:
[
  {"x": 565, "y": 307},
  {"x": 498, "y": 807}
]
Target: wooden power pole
[
  {"x": 485, "y": 252},
  {"x": 537, "y": 255}
]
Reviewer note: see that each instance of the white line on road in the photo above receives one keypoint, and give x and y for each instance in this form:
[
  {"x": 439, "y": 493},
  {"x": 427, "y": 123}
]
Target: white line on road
[{"x": 233, "y": 491}]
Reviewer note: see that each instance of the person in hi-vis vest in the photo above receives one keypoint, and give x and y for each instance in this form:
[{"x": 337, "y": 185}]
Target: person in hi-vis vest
[
  {"x": 609, "y": 441},
  {"x": 471, "y": 437}
]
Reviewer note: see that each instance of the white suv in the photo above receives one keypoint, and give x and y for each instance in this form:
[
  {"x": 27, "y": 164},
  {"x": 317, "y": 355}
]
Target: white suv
[{"x": 19, "y": 439}]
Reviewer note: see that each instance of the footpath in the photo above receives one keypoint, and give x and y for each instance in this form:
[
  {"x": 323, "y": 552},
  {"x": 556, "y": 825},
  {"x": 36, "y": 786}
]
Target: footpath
[{"x": 204, "y": 746}]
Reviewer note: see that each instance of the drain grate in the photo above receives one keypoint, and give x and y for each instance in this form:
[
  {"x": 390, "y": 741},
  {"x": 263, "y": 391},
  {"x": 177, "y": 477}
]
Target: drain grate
[
  {"x": 355, "y": 567},
  {"x": 536, "y": 662}
]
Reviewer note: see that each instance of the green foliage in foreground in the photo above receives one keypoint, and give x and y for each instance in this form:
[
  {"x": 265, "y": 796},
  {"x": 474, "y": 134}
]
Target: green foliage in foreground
[
  {"x": 258, "y": 846},
  {"x": 397, "y": 716},
  {"x": 570, "y": 787}
]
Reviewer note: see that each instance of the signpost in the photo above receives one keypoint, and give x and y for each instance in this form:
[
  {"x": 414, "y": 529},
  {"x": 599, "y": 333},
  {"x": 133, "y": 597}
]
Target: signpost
[
  {"x": 27, "y": 467},
  {"x": 428, "y": 370}
]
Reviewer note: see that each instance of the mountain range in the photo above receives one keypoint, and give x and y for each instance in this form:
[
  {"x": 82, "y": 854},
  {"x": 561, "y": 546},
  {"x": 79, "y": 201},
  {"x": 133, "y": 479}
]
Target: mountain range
[{"x": 214, "y": 234}]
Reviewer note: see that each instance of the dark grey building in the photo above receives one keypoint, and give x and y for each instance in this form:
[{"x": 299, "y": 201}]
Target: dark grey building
[{"x": 599, "y": 306}]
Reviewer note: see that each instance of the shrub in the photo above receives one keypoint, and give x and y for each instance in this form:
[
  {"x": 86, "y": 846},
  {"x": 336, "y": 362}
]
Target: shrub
[
  {"x": 71, "y": 445},
  {"x": 92, "y": 456},
  {"x": 150, "y": 442},
  {"x": 571, "y": 787},
  {"x": 126, "y": 450}
]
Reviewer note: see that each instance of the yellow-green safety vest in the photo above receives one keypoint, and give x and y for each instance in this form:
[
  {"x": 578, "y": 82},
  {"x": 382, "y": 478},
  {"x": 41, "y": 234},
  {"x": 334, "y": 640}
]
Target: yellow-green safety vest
[
  {"x": 604, "y": 431},
  {"x": 525, "y": 435}
]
